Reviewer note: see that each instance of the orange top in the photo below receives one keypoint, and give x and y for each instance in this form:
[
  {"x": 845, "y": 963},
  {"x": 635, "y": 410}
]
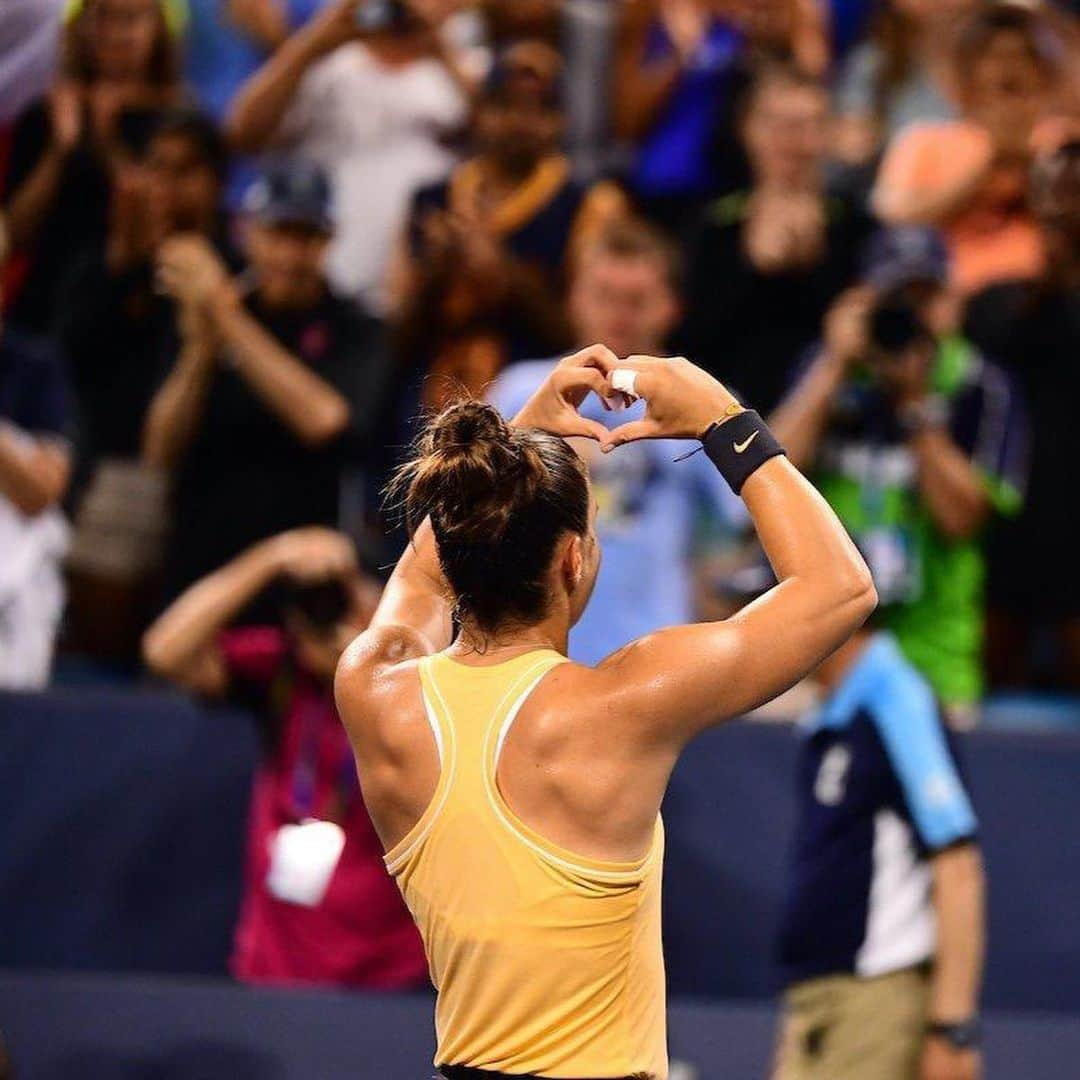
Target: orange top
[
  {"x": 546, "y": 962},
  {"x": 994, "y": 237}
]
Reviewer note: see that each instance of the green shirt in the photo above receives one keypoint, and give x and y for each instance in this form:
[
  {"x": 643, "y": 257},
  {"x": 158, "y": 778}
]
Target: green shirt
[{"x": 931, "y": 586}]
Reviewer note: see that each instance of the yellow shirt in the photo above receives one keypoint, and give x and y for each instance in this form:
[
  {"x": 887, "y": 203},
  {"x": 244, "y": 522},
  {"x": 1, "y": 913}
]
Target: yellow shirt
[{"x": 546, "y": 962}]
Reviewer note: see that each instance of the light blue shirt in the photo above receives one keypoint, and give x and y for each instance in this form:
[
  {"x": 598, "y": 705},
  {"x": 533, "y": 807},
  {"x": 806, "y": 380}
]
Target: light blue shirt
[{"x": 649, "y": 508}]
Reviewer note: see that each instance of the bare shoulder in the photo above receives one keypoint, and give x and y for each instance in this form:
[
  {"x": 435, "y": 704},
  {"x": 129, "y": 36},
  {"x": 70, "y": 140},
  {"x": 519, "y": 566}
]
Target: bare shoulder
[{"x": 375, "y": 665}]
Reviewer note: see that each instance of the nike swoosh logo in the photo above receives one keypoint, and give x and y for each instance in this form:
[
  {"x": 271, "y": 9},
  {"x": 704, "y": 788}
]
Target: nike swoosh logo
[{"x": 740, "y": 447}]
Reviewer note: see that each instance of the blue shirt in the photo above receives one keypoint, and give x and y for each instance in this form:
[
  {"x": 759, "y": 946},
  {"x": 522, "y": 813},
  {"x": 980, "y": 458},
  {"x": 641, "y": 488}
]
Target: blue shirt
[
  {"x": 878, "y": 791},
  {"x": 675, "y": 156},
  {"x": 648, "y": 508}
]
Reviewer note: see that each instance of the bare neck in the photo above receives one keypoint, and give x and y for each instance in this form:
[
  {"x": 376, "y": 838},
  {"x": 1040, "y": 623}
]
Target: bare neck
[{"x": 481, "y": 648}]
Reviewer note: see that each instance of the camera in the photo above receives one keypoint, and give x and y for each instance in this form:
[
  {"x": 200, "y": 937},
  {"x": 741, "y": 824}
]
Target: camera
[
  {"x": 321, "y": 604},
  {"x": 373, "y": 16},
  {"x": 894, "y": 325}
]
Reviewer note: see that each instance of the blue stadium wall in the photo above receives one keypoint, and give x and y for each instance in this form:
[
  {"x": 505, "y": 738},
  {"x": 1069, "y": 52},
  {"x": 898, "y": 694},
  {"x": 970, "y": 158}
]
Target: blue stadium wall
[{"x": 122, "y": 821}]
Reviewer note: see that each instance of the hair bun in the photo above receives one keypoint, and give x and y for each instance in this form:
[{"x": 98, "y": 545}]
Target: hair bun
[
  {"x": 467, "y": 423},
  {"x": 472, "y": 473}
]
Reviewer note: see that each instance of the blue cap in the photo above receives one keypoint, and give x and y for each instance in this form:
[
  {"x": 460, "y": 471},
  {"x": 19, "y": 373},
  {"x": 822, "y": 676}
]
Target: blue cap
[
  {"x": 291, "y": 193},
  {"x": 905, "y": 256}
]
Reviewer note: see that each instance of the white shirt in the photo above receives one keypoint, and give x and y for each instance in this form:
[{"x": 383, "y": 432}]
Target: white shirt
[
  {"x": 377, "y": 132},
  {"x": 31, "y": 589}
]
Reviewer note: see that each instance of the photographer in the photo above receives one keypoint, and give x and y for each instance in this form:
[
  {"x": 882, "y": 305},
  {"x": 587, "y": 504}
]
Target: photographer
[
  {"x": 369, "y": 91},
  {"x": 319, "y": 906},
  {"x": 915, "y": 440}
]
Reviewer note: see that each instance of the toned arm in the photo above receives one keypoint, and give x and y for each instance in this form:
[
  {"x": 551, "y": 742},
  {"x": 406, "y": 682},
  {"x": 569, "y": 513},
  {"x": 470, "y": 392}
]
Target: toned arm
[{"x": 676, "y": 682}]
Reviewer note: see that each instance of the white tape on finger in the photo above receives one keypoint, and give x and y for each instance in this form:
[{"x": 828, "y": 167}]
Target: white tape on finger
[{"x": 624, "y": 380}]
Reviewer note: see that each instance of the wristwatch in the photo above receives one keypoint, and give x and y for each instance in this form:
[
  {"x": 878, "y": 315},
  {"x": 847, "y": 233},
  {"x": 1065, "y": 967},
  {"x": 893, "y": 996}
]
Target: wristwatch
[{"x": 962, "y": 1035}]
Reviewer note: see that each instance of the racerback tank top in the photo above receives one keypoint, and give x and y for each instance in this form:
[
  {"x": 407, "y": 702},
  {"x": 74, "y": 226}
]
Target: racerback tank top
[{"x": 545, "y": 961}]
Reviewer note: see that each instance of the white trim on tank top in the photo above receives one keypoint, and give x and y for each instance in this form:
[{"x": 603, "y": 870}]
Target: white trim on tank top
[{"x": 498, "y": 803}]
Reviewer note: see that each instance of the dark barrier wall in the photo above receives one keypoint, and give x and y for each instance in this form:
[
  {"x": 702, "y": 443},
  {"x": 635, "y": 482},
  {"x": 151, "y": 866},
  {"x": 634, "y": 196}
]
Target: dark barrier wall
[
  {"x": 121, "y": 829},
  {"x": 101, "y": 1028}
]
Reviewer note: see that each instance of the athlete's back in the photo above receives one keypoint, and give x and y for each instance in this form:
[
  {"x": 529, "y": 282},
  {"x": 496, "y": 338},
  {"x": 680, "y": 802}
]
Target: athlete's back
[
  {"x": 546, "y": 962},
  {"x": 509, "y": 787}
]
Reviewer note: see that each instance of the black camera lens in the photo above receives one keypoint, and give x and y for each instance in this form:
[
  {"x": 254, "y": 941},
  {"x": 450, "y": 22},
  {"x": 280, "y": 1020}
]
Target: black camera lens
[{"x": 895, "y": 325}]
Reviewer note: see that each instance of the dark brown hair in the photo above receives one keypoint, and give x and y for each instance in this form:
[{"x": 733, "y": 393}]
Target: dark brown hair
[
  {"x": 78, "y": 52},
  {"x": 978, "y": 32},
  {"x": 499, "y": 499}
]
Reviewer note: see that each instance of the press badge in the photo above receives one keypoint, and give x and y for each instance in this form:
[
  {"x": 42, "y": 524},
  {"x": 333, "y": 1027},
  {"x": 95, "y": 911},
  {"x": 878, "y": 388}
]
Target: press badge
[{"x": 303, "y": 859}]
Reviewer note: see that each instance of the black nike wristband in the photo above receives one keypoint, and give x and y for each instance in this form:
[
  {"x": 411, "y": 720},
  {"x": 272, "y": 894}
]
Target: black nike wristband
[{"x": 740, "y": 446}]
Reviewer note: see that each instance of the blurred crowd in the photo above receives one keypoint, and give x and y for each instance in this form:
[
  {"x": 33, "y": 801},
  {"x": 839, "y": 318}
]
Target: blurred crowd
[{"x": 247, "y": 243}]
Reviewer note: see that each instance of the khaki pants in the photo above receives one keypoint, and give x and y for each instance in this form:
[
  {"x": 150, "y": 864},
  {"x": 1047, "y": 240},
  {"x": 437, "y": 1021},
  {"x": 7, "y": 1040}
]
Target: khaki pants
[{"x": 844, "y": 1028}]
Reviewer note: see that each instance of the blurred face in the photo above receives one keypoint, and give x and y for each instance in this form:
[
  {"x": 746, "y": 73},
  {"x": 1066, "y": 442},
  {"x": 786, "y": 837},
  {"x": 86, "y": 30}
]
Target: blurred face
[
  {"x": 624, "y": 301},
  {"x": 1006, "y": 71},
  {"x": 188, "y": 186},
  {"x": 785, "y": 133},
  {"x": 517, "y": 135},
  {"x": 287, "y": 261},
  {"x": 122, "y": 36}
]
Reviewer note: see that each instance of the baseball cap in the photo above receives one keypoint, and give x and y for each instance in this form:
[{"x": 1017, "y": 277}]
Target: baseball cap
[
  {"x": 905, "y": 256},
  {"x": 291, "y": 193}
]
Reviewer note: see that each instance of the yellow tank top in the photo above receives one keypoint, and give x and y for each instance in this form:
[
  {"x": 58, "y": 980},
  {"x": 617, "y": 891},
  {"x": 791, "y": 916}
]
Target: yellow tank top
[{"x": 546, "y": 962}]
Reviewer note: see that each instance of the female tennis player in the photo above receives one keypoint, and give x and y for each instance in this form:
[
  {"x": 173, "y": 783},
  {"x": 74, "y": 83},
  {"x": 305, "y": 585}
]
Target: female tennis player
[{"x": 517, "y": 794}]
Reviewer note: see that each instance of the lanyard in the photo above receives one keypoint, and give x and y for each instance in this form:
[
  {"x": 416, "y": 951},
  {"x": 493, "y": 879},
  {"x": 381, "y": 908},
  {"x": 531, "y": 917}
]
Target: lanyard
[{"x": 304, "y": 787}]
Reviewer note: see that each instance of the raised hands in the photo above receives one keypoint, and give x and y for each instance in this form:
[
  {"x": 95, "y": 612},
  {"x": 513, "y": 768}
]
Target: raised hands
[
  {"x": 554, "y": 406},
  {"x": 681, "y": 400}
]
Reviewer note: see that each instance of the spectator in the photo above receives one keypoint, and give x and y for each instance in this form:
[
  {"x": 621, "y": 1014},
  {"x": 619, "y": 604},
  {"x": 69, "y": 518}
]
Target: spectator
[
  {"x": 272, "y": 387},
  {"x": 675, "y": 74},
  {"x": 1034, "y": 328},
  {"x": 915, "y": 440},
  {"x": 118, "y": 334},
  {"x": 680, "y": 66},
  {"x": 318, "y": 904},
  {"x": 649, "y": 505},
  {"x": 782, "y": 246},
  {"x": 883, "y": 932},
  {"x": 373, "y": 109},
  {"x": 969, "y": 177},
  {"x": 899, "y": 76},
  {"x": 35, "y": 462},
  {"x": 116, "y": 328},
  {"x": 481, "y": 283},
  {"x": 119, "y": 73}
]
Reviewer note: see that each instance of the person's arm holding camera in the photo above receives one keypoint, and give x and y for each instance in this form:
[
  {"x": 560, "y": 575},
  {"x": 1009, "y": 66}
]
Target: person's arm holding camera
[
  {"x": 949, "y": 484},
  {"x": 261, "y": 103},
  {"x": 802, "y": 417},
  {"x": 182, "y": 645}
]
